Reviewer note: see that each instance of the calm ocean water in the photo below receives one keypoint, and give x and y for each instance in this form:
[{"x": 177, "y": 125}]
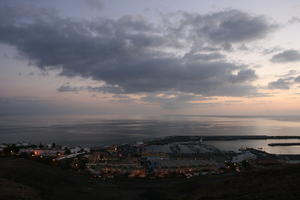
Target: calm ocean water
[{"x": 99, "y": 130}]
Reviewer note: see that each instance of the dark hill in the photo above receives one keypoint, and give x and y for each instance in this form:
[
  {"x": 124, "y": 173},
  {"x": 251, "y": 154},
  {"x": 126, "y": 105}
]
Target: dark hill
[{"x": 26, "y": 179}]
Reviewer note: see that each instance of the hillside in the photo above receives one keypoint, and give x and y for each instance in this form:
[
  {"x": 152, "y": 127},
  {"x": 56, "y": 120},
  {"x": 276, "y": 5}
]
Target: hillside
[{"x": 26, "y": 179}]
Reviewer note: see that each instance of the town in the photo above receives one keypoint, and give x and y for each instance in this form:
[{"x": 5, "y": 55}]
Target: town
[{"x": 162, "y": 158}]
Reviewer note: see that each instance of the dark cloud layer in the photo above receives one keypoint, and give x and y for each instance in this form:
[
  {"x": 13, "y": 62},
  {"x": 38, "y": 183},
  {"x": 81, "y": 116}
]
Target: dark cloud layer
[
  {"x": 286, "y": 56},
  {"x": 229, "y": 26},
  {"x": 132, "y": 55}
]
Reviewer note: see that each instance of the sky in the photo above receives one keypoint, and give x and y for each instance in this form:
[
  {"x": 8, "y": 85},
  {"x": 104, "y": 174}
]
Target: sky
[{"x": 159, "y": 57}]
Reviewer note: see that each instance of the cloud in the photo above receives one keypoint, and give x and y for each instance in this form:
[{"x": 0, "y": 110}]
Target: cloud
[
  {"x": 134, "y": 56},
  {"x": 68, "y": 88},
  {"x": 205, "y": 57},
  {"x": 103, "y": 89},
  {"x": 297, "y": 79},
  {"x": 244, "y": 76},
  {"x": 285, "y": 81},
  {"x": 122, "y": 99},
  {"x": 294, "y": 20},
  {"x": 272, "y": 50},
  {"x": 286, "y": 56},
  {"x": 289, "y": 75},
  {"x": 225, "y": 27},
  {"x": 174, "y": 101},
  {"x": 95, "y": 4},
  {"x": 279, "y": 84},
  {"x": 233, "y": 101}
]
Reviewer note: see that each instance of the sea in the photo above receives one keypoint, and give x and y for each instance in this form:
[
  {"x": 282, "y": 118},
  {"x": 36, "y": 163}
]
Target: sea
[{"x": 96, "y": 131}]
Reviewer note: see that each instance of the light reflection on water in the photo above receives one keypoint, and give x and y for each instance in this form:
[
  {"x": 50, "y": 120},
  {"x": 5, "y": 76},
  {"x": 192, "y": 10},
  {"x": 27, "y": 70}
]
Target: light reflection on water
[
  {"x": 99, "y": 130},
  {"x": 258, "y": 144}
]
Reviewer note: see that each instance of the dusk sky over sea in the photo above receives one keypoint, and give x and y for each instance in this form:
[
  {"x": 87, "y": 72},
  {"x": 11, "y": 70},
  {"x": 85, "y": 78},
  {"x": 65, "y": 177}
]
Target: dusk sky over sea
[
  {"x": 217, "y": 57},
  {"x": 149, "y": 99}
]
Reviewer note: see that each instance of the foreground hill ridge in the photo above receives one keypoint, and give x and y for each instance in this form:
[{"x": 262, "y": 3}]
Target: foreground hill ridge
[{"x": 26, "y": 179}]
